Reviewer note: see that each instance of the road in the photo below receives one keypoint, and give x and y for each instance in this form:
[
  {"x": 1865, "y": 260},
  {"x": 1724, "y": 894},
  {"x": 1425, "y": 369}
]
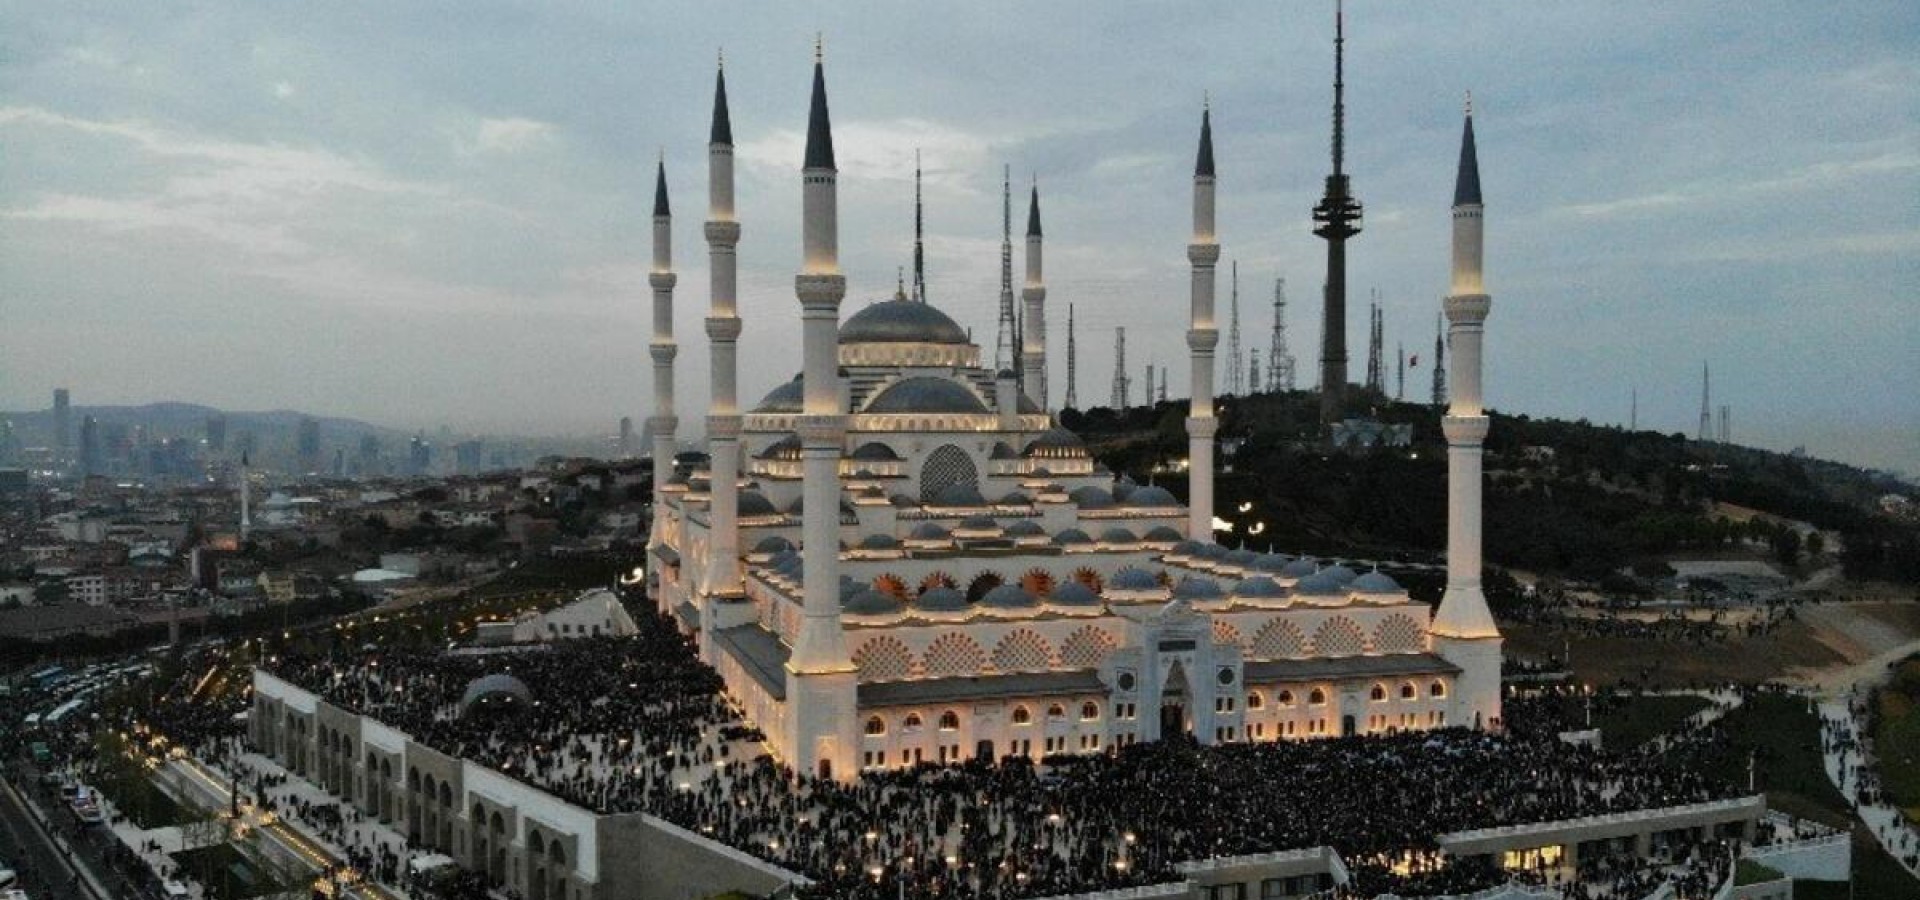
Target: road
[{"x": 44, "y": 868}]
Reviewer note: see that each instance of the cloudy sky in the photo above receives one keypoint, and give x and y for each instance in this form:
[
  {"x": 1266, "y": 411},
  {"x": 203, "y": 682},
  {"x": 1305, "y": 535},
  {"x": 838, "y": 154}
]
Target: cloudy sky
[{"x": 436, "y": 214}]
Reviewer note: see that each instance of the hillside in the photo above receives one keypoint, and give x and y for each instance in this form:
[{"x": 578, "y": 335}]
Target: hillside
[{"x": 1564, "y": 498}]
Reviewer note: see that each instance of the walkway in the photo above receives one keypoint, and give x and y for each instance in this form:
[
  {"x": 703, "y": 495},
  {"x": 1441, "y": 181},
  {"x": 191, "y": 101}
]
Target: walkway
[{"x": 1845, "y": 759}]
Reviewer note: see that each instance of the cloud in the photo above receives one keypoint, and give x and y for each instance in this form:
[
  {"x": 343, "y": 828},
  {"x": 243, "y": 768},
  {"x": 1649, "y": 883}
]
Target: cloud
[
  {"x": 1819, "y": 176},
  {"x": 510, "y": 136}
]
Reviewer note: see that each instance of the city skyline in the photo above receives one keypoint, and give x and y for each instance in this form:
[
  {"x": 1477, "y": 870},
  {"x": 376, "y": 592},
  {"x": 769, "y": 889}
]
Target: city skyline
[{"x": 458, "y": 237}]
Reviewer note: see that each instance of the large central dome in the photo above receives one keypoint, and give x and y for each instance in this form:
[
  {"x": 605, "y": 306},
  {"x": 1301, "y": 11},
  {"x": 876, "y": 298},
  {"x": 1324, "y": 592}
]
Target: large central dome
[{"x": 901, "y": 321}]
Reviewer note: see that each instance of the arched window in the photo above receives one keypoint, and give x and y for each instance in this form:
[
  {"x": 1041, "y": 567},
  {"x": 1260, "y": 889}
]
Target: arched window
[
  {"x": 945, "y": 467},
  {"x": 1378, "y": 694},
  {"x": 911, "y": 723},
  {"x": 1317, "y": 698},
  {"x": 1021, "y": 716},
  {"x": 1286, "y": 698},
  {"x": 1407, "y": 691},
  {"x": 1255, "y": 700},
  {"x": 949, "y": 721},
  {"x": 1056, "y": 711},
  {"x": 1437, "y": 689},
  {"x": 876, "y": 726},
  {"x": 1089, "y": 711}
]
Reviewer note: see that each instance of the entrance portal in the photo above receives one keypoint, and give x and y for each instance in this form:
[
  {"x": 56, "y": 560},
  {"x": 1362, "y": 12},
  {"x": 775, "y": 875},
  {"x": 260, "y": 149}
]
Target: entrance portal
[
  {"x": 983, "y": 751},
  {"x": 1173, "y": 719},
  {"x": 1346, "y": 726}
]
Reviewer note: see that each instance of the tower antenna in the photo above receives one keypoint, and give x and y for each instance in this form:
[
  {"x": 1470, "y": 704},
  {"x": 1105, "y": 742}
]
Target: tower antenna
[
  {"x": 919, "y": 236},
  {"x": 1279, "y": 358},
  {"x": 1336, "y": 218},
  {"x": 1119, "y": 369},
  {"x": 1073, "y": 367},
  {"x": 1006, "y": 353},
  {"x": 1235, "y": 385}
]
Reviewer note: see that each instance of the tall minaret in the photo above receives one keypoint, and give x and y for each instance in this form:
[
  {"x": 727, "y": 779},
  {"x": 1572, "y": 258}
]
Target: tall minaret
[
  {"x": 246, "y": 498},
  {"x": 1439, "y": 363},
  {"x": 1006, "y": 347},
  {"x": 1202, "y": 336},
  {"x": 1034, "y": 295},
  {"x": 723, "y": 332},
  {"x": 1337, "y": 218},
  {"x": 1464, "y": 632},
  {"x": 820, "y": 673},
  {"x": 663, "y": 421}
]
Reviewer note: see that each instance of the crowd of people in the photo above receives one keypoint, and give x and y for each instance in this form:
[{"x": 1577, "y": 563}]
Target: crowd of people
[{"x": 637, "y": 724}]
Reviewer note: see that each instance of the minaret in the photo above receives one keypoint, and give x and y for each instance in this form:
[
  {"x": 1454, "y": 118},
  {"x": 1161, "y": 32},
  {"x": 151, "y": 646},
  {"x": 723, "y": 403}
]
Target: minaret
[
  {"x": 1073, "y": 366},
  {"x": 919, "y": 236},
  {"x": 723, "y": 333},
  {"x": 246, "y": 498},
  {"x": 1119, "y": 402},
  {"x": 820, "y": 674},
  {"x": 1006, "y": 350},
  {"x": 1202, "y": 336},
  {"x": 1439, "y": 363},
  {"x": 1337, "y": 218},
  {"x": 1033, "y": 348},
  {"x": 663, "y": 422},
  {"x": 1463, "y": 629}
]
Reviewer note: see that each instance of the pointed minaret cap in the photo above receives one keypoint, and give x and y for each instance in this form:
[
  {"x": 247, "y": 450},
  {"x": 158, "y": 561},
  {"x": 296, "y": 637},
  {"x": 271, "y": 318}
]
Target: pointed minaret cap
[
  {"x": 819, "y": 126},
  {"x": 1466, "y": 185},
  {"x": 1203, "y": 166},
  {"x": 722, "y": 123},
  {"x": 1033, "y": 213},
  {"x": 660, "y": 191}
]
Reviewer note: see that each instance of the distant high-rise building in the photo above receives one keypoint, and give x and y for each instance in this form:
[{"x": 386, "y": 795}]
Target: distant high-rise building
[
  {"x": 625, "y": 446},
  {"x": 419, "y": 455},
  {"x": 1706, "y": 401},
  {"x": 62, "y": 426},
  {"x": 91, "y": 462},
  {"x": 469, "y": 456},
  {"x": 217, "y": 433},
  {"x": 307, "y": 445},
  {"x": 367, "y": 461}
]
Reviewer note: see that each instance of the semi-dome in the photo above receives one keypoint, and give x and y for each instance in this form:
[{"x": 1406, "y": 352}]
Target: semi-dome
[
  {"x": 901, "y": 321},
  {"x": 1197, "y": 589},
  {"x": 1015, "y": 499},
  {"x": 772, "y": 544},
  {"x": 1009, "y": 596},
  {"x": 1151, "y": 496},
  {"x": 925, "y": 394},
  {"x": 489, "y": 690},
  {"x": 874, "y": 451},
  {"x": 754, "y": 503},
  {"x": 1117, "y": 535},
  {"x": 1003, "y": 450},
  {"x": 1025, "y": 528},
  {"x": 878, "y": 542},
  {"x": 1374, "y": 583},
  {"x": 1091, "y": 497},
  {"x": 903, "y": 501},
  {"x": 1259, "y": 586},
  {"x": 1341, "y": 574},
  {"x": 928, "y": 531},
  {"x": 787, "y": 447},
  {"x": 1073, "y": 593},
  {"x": 966, "y": 493},
  {"x": 941, "y": 599},
  {"x": 1300, "y": 568},
  {"x": 979, "y": 523},
  {"x": 1161, "y": 534},
  {"x": 1070, "y": 537},
  {"x": 869, "y": 602},
  {"x": 1056, "y": 443},
  {"x": 787, "y": 398},
  {"x": 1132, "y": 579},
  {"x": 1319, "y": 584}
]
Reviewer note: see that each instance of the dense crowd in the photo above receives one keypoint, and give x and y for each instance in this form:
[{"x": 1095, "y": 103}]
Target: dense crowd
[{"x": 636, "y": 724}]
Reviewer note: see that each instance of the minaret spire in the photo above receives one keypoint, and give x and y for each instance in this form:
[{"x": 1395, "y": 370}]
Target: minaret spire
[
  {"x": 919, "y": 236},
  {"x": 1336, "y": 218},
  {"x": 1203, "y": 251},
  {"x": 663, "y": 349},
  {"x": 1006, "y": 346},
  {"x": 1033, "y": 320}
]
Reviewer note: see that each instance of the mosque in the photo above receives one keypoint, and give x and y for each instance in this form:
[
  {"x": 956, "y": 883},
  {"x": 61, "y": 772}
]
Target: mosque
[{"x": 899, "y": 556}]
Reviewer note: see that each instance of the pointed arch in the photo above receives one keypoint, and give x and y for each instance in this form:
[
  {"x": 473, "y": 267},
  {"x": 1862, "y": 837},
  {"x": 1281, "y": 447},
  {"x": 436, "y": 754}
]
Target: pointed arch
[
  {"x": 1339, "y": 636},
  {"x": 1087, "y": 648},
  {"x": 892, "y": 585},
  {"x": 1090, "y": 578},
  {"x": 1023, "y": 650},
  {"x": 883, "y": 659},
  {"x": 938, "y": 580},
  {"x": 945, "y": 467},
  {"x": 1399, "y": 634},
  {"x": 952, "y": 654},
  {"x": 1279, "y": 639},
  {"x": 1038, "y": 582}
]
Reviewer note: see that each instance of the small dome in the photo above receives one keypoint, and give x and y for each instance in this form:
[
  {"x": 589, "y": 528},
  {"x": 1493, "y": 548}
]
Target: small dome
[
  {"x": 901, "y": 321},
  {"x": 941, "y": 599},
  {"x": 874, "y": 451},
  {"x": 929, "y": 531},
  {"x": 1341, "y": 574},
  {"x": 925, "y": 394},
  {"x": 1259, "y": 586},
  {"x": 1272, "y": 562},
  {"x": 1091, "y": 497},
  {"x": 966, "y": 493},
  {"x": 1185, "y": 548},
  {"x": 1009, "y": 596},
  {"x": 869, "y": 602},
  {"x": 1132, "y": 579},
  {"x": 872, "y": 492},
  {"x": 488, "y": 688},
  {"x": 1242, "y": 557},
  {"x": 1197, "y": 589},
  {"x": 1212, "y": 551},
  {"x": 1025, "y": 528},
  {"x": 1015, "y": 499},
  {"x": 1117, "y": 535},
  {"x": 1317, "y": 585},
  {"x": 1073, "y": 593},
  {"x": 878, "y": 542},
  {"x": 774, "y": 544},
  {"x": 1151, "y": 496},
  {"x": 1300, "y": 568},
  {"x": 787, "y": 447},
  {"x": 1374, "y": 582},
  {"x": 850, "y": 589},
  {"x": 1056, "y": 443},
  {"x": 754, "y": 503},
  {"x": 787, "y": 398},
  {"x": 1160, "y": 534},
  {"x": 1071, "y": 536},
  {"x": 979, "y": 523},
  {"x": 1124, "y": 488},
  {"x": 1001, "y": 450},
  {"x": 903, "y": 501}
]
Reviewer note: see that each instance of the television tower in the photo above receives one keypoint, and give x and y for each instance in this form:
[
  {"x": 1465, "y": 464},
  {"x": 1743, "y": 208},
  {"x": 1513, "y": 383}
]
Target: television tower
[
  {"x": 1119, "y": 369},
  {"x": 1073, "y": 367},
  {"x": 1163, "y": 385},
  {"x": 1706, "y": 400},
  {"x": 1234, "y": 383},
  {"x": 1439, "y": 362},
  {"x": 1005, "y": 355},
  {"x": 1376, "y": 379},
  {"x": 1337, "y": 218},
  {"x": 1279, "y": 361}
]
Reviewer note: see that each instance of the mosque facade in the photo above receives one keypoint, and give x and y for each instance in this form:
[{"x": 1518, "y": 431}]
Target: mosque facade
[{"x": 899, "y": 556}]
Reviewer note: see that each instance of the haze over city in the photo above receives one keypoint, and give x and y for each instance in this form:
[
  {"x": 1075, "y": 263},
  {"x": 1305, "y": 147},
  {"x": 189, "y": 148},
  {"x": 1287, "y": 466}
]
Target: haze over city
[{"x": 439, "y": 217}]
